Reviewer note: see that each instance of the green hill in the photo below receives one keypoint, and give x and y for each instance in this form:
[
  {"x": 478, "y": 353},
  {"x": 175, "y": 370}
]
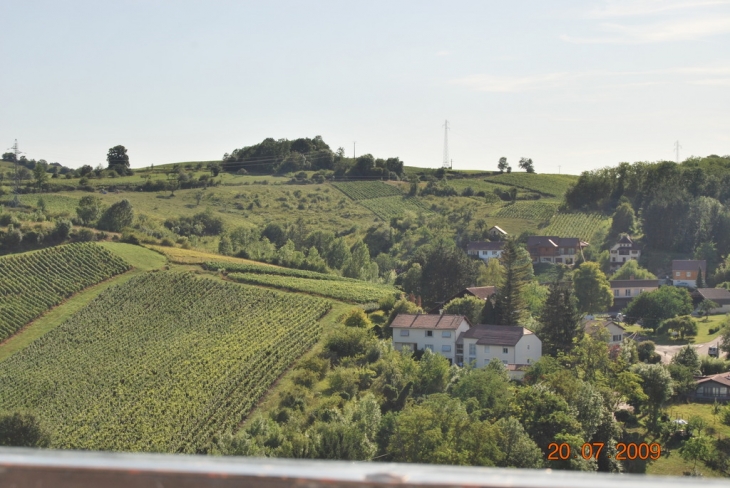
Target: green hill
[{"x": 552, "y": 185}]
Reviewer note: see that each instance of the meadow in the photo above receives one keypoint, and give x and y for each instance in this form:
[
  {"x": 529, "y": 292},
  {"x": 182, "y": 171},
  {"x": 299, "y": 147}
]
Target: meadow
[
  {"x": 163, "y": 363},
  {"x": 550, "y": 185}
]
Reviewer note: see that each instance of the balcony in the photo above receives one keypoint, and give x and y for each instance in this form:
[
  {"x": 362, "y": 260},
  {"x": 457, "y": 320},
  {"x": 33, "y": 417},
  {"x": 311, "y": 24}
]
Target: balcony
[{"x": 21, "y": 468}]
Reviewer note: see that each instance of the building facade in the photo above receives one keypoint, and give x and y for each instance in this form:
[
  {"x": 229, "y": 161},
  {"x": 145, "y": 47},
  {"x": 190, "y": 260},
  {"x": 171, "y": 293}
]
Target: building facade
[
  {"x": 684, "y": 272},
  {"x": 485, "y": 250},
  {"x": 556, "y": 250},
  {"x": 435, "y": 332},
  {"x": 626, "y": 290},
  {"x": 624, "y": 250}
]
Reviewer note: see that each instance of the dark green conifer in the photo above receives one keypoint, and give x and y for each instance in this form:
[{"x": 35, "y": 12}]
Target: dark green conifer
[
  {"x": 560, "y": 321},
  {"x": 510, "y": 305}
]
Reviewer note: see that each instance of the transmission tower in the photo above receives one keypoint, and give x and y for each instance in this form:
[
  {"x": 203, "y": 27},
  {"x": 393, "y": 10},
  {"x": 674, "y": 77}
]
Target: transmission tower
[
  {"x": 677, "y": 147},
  {"x": 447, "y": 162},
  {"x": 16, "y": 175}
]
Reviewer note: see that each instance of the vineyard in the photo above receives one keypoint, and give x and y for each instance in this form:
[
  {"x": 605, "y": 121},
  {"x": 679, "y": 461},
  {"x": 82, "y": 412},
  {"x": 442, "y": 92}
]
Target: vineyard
[
  {"x": 31, "y": 283},
  {"x": 163, "y": 363},
  {"x": 389, "y": 207},
  {"x": 364, "y": 190},
  {"x": 274, "y": 270},
  {"x": 179, "y": 255},
  {"x": 358, "y": 292},
  {"x": 539, "y": 211},
  {"x": 580, "y": 225},
  {"x": 554, "y": 185}
]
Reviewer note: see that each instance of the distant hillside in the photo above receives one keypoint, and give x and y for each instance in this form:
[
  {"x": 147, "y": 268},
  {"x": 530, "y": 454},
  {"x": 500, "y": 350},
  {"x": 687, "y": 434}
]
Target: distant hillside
[{"x": 553, "y": 185}]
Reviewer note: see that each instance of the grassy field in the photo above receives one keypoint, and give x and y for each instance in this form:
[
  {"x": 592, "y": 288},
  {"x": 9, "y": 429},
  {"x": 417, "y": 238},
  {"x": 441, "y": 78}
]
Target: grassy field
[
  {"x": 553, "y": 185},
  {"x": 703, "y": 332}
]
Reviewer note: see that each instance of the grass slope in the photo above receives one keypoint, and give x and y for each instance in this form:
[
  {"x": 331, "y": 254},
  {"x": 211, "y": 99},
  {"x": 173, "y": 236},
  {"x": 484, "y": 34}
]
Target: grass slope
[
  {"x": 164, "y": 362},
  {"x": 553, "y": 185}
]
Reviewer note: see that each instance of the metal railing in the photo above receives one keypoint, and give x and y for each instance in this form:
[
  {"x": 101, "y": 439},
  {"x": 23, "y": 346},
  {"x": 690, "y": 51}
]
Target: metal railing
[{"x": 21, "y": 468}]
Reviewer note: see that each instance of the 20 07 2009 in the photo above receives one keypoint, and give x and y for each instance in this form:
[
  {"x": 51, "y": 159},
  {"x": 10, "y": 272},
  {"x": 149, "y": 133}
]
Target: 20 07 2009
[{"x": 624, "y": 451}]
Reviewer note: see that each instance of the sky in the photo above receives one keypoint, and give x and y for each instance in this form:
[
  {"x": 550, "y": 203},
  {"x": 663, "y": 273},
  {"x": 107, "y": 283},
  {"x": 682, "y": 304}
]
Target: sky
[{"x": 573, "y": 85}]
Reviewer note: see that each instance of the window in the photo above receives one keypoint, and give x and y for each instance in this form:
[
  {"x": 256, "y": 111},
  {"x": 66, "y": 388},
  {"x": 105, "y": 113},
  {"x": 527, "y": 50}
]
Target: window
[
  {"x": 429, "y": 333},
  {"x": 529, "y": 361},
  {"x": 689, "y": 273},
  {"x": 616, "y": 293},
  {"x": 429, "y": 347},
  {"x": 504, "y": 361},
  {"x": 677, "y": 274},
  {"x": 446, "y": 333},
  {"x": 616, "y": 338},
  {"x": 446, "y": 348},
  {"x": 472, "y": 349},
  {"x": 505, "y": 350},
  {"x": 404, "y": 333},
  {"x": 628, "y": 292},
  {"x": 528, "y": 347},
  {"x": 613, "y": 260},
  {"x": 486, "y": 349},
  {"x": 571, "y": 251}
]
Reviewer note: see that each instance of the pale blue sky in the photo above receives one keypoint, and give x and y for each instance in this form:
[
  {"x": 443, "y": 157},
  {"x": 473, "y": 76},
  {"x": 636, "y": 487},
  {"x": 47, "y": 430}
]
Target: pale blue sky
[{"x": 580, "y": 84}]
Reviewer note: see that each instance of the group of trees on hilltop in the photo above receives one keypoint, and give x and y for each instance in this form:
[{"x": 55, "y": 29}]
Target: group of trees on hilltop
[
  {"x": 681, "y": 207},
  {"x": 282, "y": 156},
  {"x": 525, "y": 163}
]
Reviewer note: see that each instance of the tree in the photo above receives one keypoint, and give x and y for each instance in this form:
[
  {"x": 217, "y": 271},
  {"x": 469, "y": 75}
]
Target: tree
[
  {"x": 526, "y": 164},
  {"x": 657, "y": 385},
  {"x": 510, "y": 303},
  {"x": 655, "y": 306},
  {"x": 707, "y": 306},
  {"x": 700, "y": 282},
  {"x": 646, "y": 352},
  {"x": 695, "y": 449},
  {"x": 40, "y": 173},
  {"x": 117, "y": 159},
  {"x": 519, "y": 450},
  {"x": 724, "y": 343},
  {"x": 357, "y": 318},
  {"x": 469, "y": 306},
  {"x": 117, "y": 217},
  {"x": 560, "y": 322},
  {"x": 503, "y": 166},
  {"x": 8, "y": 156},
  {"x": 22, "y": 430},
  {"x": 688, "y": 357},
  {"x": 592, "y": 288},
  {"x": 683, "y": 325},
  {"x": 90, "y": 209},
  {"x": 631, "y": 269},
  {"x": 446, "y": 270},
  {"x": 623, "y": 221},
  {"x": 490, "y": 274}
]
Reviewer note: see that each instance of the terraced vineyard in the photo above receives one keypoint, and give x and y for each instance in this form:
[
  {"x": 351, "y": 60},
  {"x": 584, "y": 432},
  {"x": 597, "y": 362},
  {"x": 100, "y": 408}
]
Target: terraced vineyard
[
  {"x": 358, "y": 292},
  {"x": 580, "y": 225},
  {"x": 363, "y": 190},
  {"x": 540, "y": 211},
  {"x": 274, "y": 270},
  {"x": 31, "y": 283},
  {"x": 389, "y": 207},
  {"x": 554, "y": 185},
  {"x": 162, "y": 363}
]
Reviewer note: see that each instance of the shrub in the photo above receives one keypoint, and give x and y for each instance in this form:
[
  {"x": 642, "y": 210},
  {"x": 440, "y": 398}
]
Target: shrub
[
  {"x": 347, "y": 342},
  {"x": 86, "y": 235}
]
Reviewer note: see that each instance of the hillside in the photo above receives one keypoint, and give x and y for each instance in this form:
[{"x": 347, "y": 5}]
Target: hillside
[{"x": 161, "y": 363}]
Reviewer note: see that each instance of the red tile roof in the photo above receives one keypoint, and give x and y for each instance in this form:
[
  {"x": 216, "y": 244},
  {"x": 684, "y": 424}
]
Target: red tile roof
[{"x": 425, "y": 321}]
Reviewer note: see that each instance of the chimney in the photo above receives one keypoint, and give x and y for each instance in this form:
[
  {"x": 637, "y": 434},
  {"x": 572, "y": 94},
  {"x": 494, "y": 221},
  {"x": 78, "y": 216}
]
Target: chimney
[{"x": 632, "y": 277}]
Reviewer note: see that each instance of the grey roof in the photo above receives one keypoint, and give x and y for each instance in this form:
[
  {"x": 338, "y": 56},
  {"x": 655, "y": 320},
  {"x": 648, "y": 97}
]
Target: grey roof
[
  {"x": 634, "y": 283},
  {"x": 722, "y": 378},
  {"x": 485, "y": 246},
  {"x": 591, "y": 324},
  {"x": 689, "y": 265},
  {"x": 498, "y": 335},
  {"x": 625, "y": 239},
  {"x": 715, "y": 294},
  {"x": 498, "y": 229},
  {"x": 425, "y": 321}
]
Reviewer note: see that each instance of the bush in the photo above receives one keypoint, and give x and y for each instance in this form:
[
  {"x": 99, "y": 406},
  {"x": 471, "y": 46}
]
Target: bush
[
  {"x": 86, "y": 235},
  {"x": 347, "y": 342},
  {"x": 305, "y": 378},
  {"x": 167, "y": 242},
  {"x": 22, "y": 430},
  {"x": 710, "y": 365},
  {"x": 317, "y": 365}
]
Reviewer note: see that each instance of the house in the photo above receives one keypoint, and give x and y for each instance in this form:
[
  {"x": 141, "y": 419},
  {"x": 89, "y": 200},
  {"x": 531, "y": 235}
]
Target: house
[
  {"x": 615, "y": 331},
  {"x": 624, "y": 250},
  {"x": 435, "y": 332},
  {"x": 711, "y": 388},
  {"x": 721, "y": 296},
  {"x": 625, "y": 290},
  {"x": 485, "y": 250},
  {"x": 517, "y": 347},
  {"x": 684, "y": 272},
  {"x": 481, "y": 292},
  {"x": 552, "y": 249},
  {"x": 497, "y": 233}
]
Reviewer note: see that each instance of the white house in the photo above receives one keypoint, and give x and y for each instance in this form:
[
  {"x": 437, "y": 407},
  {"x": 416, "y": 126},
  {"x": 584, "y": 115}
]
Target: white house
[
  {"x": 616, "y": 332},
  {"x": 624, "y": 250},
  {"x": 435, "y": 332},
  {"x": 517, "y": 347},
  {"x": 485, "y": 250}
]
